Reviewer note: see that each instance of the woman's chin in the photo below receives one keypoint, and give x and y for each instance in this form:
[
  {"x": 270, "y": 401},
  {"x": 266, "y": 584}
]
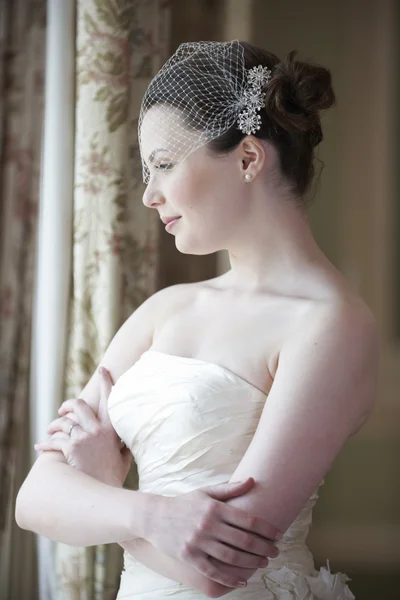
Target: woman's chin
[{"x": 191, "y": 247}]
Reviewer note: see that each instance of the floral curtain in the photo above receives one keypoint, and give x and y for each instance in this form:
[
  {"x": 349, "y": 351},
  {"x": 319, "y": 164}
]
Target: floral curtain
[
  {"x": 120, "y": 45},
  {"x": 22, "y": 64}
]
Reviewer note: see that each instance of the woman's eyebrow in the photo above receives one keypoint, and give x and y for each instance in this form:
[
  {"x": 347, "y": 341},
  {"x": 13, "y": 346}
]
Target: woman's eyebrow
[{"x": 152, "y": 155}]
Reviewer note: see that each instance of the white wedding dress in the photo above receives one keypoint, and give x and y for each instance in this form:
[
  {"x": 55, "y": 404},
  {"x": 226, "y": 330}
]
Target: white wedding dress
[{"x": 188, "y": 424}]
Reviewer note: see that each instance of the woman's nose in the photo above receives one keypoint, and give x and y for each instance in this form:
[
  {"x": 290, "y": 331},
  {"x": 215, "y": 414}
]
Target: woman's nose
[{"x": 152, "y": 198}]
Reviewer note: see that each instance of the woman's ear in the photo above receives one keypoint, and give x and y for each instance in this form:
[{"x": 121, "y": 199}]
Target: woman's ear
[{"x": 252, "y": 155}]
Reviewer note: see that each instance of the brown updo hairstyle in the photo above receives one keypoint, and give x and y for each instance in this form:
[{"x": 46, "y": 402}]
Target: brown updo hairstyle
[{"x": 295, "y": 95}]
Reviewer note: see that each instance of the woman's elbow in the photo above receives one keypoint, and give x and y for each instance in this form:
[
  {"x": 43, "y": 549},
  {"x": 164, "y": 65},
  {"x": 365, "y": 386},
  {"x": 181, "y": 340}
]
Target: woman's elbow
[
  {"x": 22, "y": 510},
  {"x": 28, "y": 512}
]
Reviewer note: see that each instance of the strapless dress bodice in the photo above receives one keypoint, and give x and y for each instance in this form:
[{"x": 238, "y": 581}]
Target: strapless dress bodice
[{"x": 188, "y": 424}]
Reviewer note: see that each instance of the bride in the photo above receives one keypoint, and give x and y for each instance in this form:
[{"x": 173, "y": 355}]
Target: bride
[{"x": 234, "y": 395}]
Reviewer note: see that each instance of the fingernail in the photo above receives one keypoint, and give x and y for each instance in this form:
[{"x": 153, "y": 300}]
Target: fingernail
[
  {"x": 278, "y": 536},
  {"x": 242, "y": 583},
  {"x": 102, "y": 371}
]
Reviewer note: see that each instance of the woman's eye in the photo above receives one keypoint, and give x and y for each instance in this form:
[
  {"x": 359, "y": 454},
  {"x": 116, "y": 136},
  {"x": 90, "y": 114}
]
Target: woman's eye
[{"x": 164, "y": 166}]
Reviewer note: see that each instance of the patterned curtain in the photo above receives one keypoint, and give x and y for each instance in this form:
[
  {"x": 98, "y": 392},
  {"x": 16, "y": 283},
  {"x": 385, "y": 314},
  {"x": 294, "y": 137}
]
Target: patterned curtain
[
  {"x": 22, "y": 64},
  {"x": 120, "y": 46}
]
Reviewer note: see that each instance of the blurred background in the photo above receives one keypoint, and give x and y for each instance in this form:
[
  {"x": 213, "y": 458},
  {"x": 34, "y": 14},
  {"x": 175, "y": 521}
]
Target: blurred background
[{"x": 79, "y": 252}]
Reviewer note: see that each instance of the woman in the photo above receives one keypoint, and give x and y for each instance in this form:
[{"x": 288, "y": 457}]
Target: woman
[{"x": 258, "y": 376}]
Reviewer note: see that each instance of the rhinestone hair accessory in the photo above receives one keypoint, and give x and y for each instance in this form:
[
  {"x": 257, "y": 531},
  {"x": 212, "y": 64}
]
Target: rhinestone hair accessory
[
  {"x": 254, "y": 99},
  {"x": 201, "y": 91}
]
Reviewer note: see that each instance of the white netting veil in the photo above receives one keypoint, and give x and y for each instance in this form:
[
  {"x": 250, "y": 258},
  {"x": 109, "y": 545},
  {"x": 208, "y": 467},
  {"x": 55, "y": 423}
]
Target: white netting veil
[{"x": 198, "y": 94}]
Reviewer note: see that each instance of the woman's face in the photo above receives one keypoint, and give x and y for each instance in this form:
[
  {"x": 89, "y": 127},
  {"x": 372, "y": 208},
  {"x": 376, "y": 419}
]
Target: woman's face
[{"x": 207, "y": 193}]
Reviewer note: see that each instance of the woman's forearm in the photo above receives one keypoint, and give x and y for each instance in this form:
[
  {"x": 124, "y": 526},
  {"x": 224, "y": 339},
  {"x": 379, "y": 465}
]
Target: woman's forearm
[{"x": 68, "y": 506}]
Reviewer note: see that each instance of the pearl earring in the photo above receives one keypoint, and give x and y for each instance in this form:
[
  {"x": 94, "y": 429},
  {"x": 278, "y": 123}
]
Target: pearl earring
[{"x": 247, "y": 177}]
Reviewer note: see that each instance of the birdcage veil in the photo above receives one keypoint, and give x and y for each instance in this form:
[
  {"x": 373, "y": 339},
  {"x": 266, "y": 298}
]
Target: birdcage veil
[{"x": 198, "y": 94}]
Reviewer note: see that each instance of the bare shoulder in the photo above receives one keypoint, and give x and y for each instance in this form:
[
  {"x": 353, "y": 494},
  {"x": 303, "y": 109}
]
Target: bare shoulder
[
  {"x": 348, "y": 315},
  {"x": 343, "y": 318},
  {"x": 135, "y": 336},
  {"x": 137, "y": 333},
  {"x": 338, "y": 341}
]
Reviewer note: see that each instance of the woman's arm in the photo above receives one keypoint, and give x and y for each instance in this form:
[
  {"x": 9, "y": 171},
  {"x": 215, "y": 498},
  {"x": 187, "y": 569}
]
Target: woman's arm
[
  {"x": 323, "y": 393},
  {"x": 62, "y": 503},
  {"x": 186, "y": 528},
  {"x": 66, "y": 505}
]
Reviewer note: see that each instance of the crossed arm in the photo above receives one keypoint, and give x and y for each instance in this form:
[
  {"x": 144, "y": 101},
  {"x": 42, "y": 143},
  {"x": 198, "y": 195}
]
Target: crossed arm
[{"x": 323, "y": 392}]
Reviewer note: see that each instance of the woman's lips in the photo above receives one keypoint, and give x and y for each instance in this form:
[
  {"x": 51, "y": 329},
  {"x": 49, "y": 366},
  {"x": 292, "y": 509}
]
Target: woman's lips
[{"x": 171, "y": 224}]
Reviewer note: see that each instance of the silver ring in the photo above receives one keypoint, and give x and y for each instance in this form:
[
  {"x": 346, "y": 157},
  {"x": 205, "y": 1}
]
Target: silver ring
[{"x": 71, "y": 428}]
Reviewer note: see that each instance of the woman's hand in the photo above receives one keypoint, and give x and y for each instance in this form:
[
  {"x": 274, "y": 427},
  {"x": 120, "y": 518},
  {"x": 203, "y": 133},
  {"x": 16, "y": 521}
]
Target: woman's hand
[
  {"x": 198, "y": 528},
  {"x": 90, "y": 443}
]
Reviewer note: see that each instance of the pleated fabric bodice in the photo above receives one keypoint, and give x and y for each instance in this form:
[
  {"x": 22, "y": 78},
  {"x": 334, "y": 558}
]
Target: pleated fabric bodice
[{"x": 188, "y": 423}]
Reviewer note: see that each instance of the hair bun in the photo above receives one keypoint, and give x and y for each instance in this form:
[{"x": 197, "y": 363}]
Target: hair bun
[{"x": 297, "y": 92}]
